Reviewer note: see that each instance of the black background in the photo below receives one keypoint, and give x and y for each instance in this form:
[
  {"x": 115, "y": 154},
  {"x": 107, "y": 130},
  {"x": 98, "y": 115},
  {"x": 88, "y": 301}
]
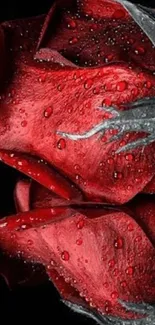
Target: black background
[{"x": 40, "y": 303}]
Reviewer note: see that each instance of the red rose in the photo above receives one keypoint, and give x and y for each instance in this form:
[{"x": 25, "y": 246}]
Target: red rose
[{"x": 77, "y": 117}]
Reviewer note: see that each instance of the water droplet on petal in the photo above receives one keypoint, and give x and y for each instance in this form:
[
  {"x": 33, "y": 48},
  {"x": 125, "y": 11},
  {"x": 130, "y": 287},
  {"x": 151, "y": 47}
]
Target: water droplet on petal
[
  {"x": 48, "y": 112},
  {"x": 148, "y": 84},
  {"x": 114, "y": 295},
  {"x": 60, "y": 87},
  {"x": 71, "y": 24},
  {"x": 122, "y": 85},
  {"x": 110, "y": 161},
  {"x": 65, "y": 256},
  {"x": 118, "y": 243},
  {"x": 61, "y": 144},
  {"x": 73, "y": 40},
  {"x": 111, "y": 263},
  {"x": 129, "y": 157},
  {"x": 119, "y": 13},
  {"x": 88, "y": 84},
  {"x": 76, "y": 167},
  {"x": 79, "y": 241},
  {"x": 117, "y": 175},
  {"x": 80, "y": 224},
  {"x": 20, "y": 163},
  {"x": 30, "y": 242},
  {"x": 107, "y": 307},
  {"x": 138, "y": 239},
  {"x": 130, "y": 270},
  {"x": 21, "y": 110},
  {"x": 96, "y": 90},
  {"x": 130, "y": 227},
  {"x": 24, "y": 123},
  {"x": 107, "y": 102},
  {"x": 123, "y": 284},
  {"x": 139, "y": 50},
  {"x": 42, "y": 78}
]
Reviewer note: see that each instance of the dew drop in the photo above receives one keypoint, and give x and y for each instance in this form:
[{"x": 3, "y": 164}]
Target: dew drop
[
  {"x": 42, "y": 78},
  {"x": 148, "y": 84},
  {"x": 20, "y": 163},
  {"x": 123, "y": 284},
  {"x": 76, "y": 167},
  {"x": 88, "y": 84},
  {"x": 71, "y": 24},
  {"x": 73, "y": 40},
  {"x": 111, "y": 263},
  {"x": 30, "y": 242},
  {"x": 107, "y": 307},
  {"x": 135, "y": 91},
  {"x": 80, "y": 224},
  {"x": 117, "y": 175},
  {"x": 129, "y": 157},
  {"x": 130, "y": 227},
  {"x": 65, "y": 256},
  {"x": 79, "y": 241},
  {"x": 122, "y": 85},
  {"x": 118, "y": 243},
  {"x": 93, "y": 27},
  {"x": 52, "y": 262},
  {"x": 21, "y": 110},
  {"x": 70, "y": 109},
  {"x": 109, "y": 58},
  {"x": 131, "y": 41},
  {"x": 114, "y": 295},
  {"x": 48, "y": 112},
  {"x": 60, "y": 87},
  {"x": 118, "y": 14},
  {"x": 107, "y": 102},
  {"x": 130, "y": 270},
  {"x": 96, "y": 90},
  {"x": 139, "y": 50},
  {"x": 24, "y": 123},
  {"x": 24, "y": 226},
  {"x": 61, "y": 144},
  {"x": 110, "y": 161},
  {"x": 138, "y": 239}
]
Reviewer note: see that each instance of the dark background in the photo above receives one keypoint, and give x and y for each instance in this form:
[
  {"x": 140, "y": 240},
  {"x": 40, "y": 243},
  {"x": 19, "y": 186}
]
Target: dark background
[
  {"x": 40, "y": 303},
  {"x": 10, "y": 9}
]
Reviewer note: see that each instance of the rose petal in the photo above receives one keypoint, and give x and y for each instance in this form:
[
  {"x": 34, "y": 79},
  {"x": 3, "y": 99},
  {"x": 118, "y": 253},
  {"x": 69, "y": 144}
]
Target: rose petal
[
  {"x": 65, "y": 289},
  {"x": 85, "y": 250},
  {"x": 43, "y": 198},
  {"x": 34, "y": 218},
  {"x": 40, "y": 172},
  {"x": 87, "y": 42},
  {"x": 43, "y": 99},
  {"x": 22, "y": 195},
  {"x": 91, "y": 164},
  {"x": 52, "y": 56}
]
